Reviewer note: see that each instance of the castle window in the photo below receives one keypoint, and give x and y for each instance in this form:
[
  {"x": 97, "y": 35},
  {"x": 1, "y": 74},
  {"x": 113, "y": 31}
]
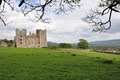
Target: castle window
[{"x": 20, "y": 42}]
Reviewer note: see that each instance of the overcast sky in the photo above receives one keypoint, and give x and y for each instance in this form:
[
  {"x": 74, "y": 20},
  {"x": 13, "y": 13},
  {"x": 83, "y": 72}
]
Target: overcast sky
[{"x": 63, "y": 28}]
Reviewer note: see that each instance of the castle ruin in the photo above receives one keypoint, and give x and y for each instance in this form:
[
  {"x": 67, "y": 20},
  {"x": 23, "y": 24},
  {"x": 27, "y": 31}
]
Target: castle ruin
[{"x": 38, "y": 40}]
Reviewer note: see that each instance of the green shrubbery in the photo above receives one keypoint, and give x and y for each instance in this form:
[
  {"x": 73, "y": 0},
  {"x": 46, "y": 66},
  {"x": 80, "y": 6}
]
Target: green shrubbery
[
  {"x": 10, "y": 43},
  {"x": 73, "y": 54},
  {"x": 52, "y": 47},
  {"x": 107, "y": 61},
  {"x": 65, "y": 45}
]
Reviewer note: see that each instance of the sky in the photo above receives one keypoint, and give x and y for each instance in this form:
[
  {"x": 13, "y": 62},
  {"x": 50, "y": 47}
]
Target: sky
[{"x": 62, "y": 28}]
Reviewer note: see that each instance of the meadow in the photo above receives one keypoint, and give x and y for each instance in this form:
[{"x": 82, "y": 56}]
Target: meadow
[{"x": 47, "y": 64}]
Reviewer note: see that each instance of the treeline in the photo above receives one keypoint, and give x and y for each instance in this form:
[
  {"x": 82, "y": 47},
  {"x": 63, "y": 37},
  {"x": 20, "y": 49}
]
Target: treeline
[
  {"x": 65, "y": 45},
  {"x": 83, "y": 44},
  {"x": 6, "y": 43}
]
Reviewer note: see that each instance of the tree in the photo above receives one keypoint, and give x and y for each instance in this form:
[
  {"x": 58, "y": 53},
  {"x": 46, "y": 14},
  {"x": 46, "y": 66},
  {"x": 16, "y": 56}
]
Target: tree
[
  {"x": 0, "y": 41},
  {"x": 8, "y": 42},
  {"x": 104, "y": 9},
  {"x": 40, "y": 8},
  {"x": 5, "y": 40},
  {"x": 65, "y": 45},
  {"x": 83, "y": 44}
]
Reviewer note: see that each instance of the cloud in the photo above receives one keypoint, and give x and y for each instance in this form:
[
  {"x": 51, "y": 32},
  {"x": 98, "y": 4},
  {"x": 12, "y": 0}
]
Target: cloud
[
  {"x": 63, "y": 28},
  {"x": 115, "y": 27}
]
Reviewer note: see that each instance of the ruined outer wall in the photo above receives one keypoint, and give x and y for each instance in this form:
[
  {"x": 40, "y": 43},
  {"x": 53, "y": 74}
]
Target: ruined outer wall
[
  {"x": 17, "y": 38},
  {"x": 20, "y": 38},
  {"x": 43, "y": 38},
  {"x": 32, "y": 40}
]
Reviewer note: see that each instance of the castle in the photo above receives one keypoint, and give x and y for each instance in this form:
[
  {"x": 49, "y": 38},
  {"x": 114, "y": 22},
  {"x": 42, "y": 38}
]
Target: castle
[{"x": 38, "y": 40}]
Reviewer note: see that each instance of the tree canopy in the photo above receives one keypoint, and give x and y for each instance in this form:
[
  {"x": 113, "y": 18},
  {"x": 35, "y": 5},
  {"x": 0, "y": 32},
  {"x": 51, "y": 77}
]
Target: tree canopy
[
  {"x": 41, "y": 8},
  {"x": 83, "y": 44}
]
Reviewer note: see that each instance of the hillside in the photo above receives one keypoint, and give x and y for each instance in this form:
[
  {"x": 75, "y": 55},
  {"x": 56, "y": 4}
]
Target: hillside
[
  {"x": 52, "y": 44},
  {"x": 106, "y": 43},
  {"x": 96, "y": 44}
]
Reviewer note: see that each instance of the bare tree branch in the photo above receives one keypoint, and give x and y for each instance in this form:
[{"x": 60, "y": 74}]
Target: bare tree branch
[
  {"x": 39, "y": 8},
  {"x": 2, "y": 20},
  {"x": 94, "y": 18},
  {"x": 0, "y": 2},
  {"x": 21, "y": 3}
]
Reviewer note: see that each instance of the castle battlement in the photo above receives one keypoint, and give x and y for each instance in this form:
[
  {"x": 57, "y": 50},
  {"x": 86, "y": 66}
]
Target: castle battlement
[{"x": 33, "y": 40}]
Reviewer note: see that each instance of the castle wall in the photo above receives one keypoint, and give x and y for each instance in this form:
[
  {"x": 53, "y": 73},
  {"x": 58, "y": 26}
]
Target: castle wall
[
  {"x": 20, "y": 38},
  {"x": 32, "y": 40},
  {"x": 43, "y": 38},
  {"x": 17, "y": 38}
]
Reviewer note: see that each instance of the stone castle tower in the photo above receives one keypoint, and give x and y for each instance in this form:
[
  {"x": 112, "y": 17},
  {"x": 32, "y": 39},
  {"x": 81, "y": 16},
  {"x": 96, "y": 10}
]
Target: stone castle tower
[{"x": 38, "y": 40}]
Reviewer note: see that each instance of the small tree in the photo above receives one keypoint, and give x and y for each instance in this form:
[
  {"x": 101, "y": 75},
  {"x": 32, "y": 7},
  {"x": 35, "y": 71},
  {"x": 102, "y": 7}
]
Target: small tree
[{"x": 83, "y": 44}]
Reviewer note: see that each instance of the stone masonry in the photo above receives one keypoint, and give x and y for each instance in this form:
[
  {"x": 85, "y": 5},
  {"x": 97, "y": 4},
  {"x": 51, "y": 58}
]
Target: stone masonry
[{"x": 38, "y": 40}]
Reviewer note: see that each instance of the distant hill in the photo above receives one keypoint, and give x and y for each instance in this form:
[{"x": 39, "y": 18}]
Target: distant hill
[
  {"x": 74, "y": 45},
  {"x": 96, "y": 44},
  {"x": 52, "y": 44},
  {"x": 106, "y": 43}
]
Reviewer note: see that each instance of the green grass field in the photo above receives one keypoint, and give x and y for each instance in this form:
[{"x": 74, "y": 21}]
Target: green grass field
[{"x": 46, "y": 64}]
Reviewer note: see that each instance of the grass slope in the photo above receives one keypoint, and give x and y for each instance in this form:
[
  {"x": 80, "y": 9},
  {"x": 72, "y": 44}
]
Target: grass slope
[{"x": 46, "y": 64}]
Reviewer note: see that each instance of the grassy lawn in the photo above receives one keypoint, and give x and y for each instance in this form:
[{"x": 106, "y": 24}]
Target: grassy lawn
[{"x": 46, "y": 64}]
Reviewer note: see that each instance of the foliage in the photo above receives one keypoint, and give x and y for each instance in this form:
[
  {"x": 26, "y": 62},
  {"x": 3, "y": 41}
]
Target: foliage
[
  {"x": 46, "y": 64},
  {"x": 52, "y": 47},
  {"x": 108, "y": 61},
  {"x": 5, "y": 40},
  {"x": 83, "y": 44},
  {"x": 65, "y": 45},
  {"x": 73, "y": 54},
  {"x": 8, "y": 42},
  {"x": 0, "y": 41}
]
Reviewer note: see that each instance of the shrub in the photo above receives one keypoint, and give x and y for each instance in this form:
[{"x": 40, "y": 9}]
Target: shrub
[
  {"x": 107, "y": 61},
  {"x": 52, "y": 47},
  {"x": 73, "y": 54},
  {"x": 98, "y": 57},
  {"x": 44, "y": 47}
]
